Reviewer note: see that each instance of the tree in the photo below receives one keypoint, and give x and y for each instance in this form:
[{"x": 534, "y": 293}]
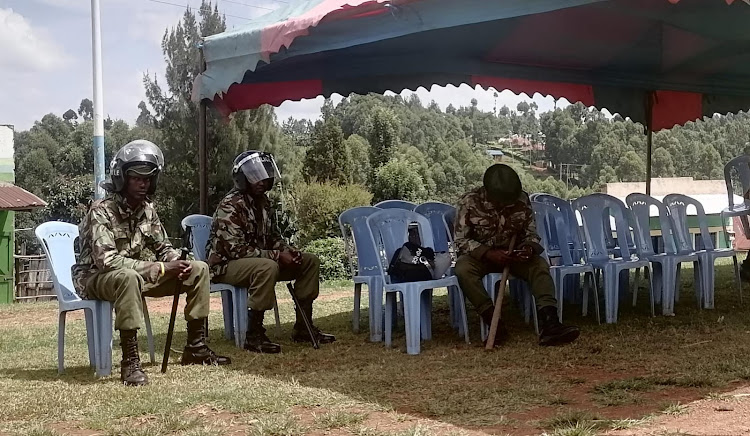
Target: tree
[
  {"x": 631, "y": 168},
  {"x": 327, "y": 159},
  {"x": 398, "y": 180},
  {"x": 359, "y": 150},
  {"x": 70, "y": 116},
  {"x": 662, "y": 165},
  {"x": 382, "y": 137},
  {"x": 86, "y": 109},
  {"x": 145, "y": 118}
]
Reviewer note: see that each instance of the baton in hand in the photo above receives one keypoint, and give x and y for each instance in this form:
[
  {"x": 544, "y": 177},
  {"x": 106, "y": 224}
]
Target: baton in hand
[{"x": 173, "y": 315}]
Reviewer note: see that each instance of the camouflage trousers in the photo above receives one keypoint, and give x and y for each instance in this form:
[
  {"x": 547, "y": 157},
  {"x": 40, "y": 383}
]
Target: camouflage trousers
[
  {"x": 125, "y": 288},
  {"x": 535, "y": 272},
  {"x": 260, "y": 275}
]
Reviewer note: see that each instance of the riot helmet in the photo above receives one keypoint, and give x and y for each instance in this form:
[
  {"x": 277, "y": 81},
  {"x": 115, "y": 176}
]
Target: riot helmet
[
  {"x": 140, "y": 158},
  {"x": 253, "y": 166},
  {"x": 502, "y": 184}
]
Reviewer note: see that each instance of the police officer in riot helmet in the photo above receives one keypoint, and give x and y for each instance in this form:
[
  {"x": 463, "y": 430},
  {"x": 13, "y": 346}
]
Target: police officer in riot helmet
[{"x": 246, "y": 249}]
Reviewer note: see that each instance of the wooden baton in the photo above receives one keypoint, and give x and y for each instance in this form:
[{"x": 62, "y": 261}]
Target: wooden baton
[{"x": 499, "y": 301}]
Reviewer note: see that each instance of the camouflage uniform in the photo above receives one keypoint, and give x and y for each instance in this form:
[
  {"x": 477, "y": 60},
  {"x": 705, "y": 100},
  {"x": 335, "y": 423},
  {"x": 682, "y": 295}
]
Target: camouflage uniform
[
  {"x": 480, "y": 226},
  {"x": 244, "y": 247},
  {"x": 112, "y": 240}
]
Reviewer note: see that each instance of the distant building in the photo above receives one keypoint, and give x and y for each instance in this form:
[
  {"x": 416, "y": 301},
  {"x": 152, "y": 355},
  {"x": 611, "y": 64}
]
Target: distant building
[{"x": 495, "y": 154}]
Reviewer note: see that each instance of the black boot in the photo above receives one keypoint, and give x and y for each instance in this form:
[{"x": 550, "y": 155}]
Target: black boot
[
  {"x": 196, "y": 351},
  {"x": 300, "y": 333},
  {"x": 552, "y": 331},
  {"x": 502, "y": 334},
  {"x": 131, "y": 373},
  {"x": 256, "y": 339},
  {"x": 745, "y": 270}
]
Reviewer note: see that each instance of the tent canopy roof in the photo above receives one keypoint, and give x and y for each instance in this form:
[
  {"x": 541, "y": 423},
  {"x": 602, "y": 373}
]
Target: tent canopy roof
[{"x": 681, "y": 59}]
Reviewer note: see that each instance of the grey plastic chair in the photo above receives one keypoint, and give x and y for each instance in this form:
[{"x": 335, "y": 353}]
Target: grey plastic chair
[
  {"x": 741, "y": 166},
  {"x": 396, "y": 204}
]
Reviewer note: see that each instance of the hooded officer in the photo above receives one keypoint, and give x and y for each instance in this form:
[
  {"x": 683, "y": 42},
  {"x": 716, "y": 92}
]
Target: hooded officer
[
  {"x": 487, "y": 218},
  {"x": 246, "y": 249},
  {"x": 113, "y": 237}
]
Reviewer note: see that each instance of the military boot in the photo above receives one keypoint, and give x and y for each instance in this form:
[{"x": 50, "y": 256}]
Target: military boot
[
  {"x": 255, "y": 338},
  {"x": 196, "y": 351},
  {"x": 299, "y": 331},
  {"x": 131, "y": 373},
  {"x": 552, "y": 332},
  {"x": 502, "y": 334}
]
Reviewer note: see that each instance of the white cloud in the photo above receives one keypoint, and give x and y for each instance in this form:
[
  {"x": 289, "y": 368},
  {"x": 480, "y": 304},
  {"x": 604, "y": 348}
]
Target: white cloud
[
  {"x": 149, "y": 24},
  {"x": 24, "y": 48}
]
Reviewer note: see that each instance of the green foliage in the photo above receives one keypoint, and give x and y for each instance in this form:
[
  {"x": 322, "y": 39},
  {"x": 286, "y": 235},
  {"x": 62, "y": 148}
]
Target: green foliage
[
  {"x": 332, "y": 255},
  {"x": 399, "y": 180},
  {"x": 320, "y": 204},
  {"x": 328, "y": 159},
  {"x": 358, "y": 149}
]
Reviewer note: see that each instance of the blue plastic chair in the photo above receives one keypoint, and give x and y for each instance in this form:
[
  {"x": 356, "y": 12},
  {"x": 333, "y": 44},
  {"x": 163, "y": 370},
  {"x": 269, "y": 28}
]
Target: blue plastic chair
[
  {"x": 440, "y": 214},
  {"x": 389, "y": 229},
  {"x": 664, "y": 265},
  {"x": 233, "y": 299},
  {"x": 396, "y": 204},
  {"x": 741, "y": 166},
  {"x": 595, "y": 209},
  {"x": 554, "y": 230},
  {"x": 677, "y": 205},
  {"x": 58, "y": 239},
  {"x": 353, "y": 224}
]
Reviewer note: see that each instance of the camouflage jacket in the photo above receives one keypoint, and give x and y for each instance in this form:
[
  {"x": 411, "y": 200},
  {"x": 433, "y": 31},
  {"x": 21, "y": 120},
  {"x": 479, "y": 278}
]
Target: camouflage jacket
[
  {"x": 480, "y": 226},
  {"x": 113, "y": 236},
  {"x": 242, "y": 227}
]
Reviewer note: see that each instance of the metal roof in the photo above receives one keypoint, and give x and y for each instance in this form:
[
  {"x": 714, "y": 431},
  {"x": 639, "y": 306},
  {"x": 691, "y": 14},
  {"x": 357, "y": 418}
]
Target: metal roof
[{"x": 16, "y": 198}]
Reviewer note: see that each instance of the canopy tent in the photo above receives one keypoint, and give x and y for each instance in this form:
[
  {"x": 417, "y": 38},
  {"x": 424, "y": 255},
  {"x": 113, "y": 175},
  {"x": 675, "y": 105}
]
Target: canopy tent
[{"x": 661, "y": 63}]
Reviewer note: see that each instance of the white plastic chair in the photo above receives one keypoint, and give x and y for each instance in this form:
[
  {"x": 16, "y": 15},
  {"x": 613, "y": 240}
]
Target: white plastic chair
[
  {"x": 389, "y": 229},
  {"x": 233, "y": 299},
  {"x": 57, "y": 240}
]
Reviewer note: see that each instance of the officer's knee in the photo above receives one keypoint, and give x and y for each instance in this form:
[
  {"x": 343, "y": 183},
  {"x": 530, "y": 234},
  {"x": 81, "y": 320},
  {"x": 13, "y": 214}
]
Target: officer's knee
[
  {"x": 127, "y": 278},
  {"x": 464, "y": 267},
  {"x": 199, "y": 268},
  {"x": 311, "y": 259},
  {"x": 267, "y": 268}
]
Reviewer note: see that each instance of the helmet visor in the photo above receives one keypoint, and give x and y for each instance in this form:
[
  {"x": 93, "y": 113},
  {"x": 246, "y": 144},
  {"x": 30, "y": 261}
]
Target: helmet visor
[
  {"x": 141, "y": 151},
  {"x": 257, "y": 167}
]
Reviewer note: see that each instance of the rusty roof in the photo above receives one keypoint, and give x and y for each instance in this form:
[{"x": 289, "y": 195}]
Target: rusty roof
[{"x": 13, "y": 197}]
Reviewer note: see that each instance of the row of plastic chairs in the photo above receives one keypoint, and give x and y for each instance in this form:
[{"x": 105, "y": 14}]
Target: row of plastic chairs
[{"x": 593, "y": 244}]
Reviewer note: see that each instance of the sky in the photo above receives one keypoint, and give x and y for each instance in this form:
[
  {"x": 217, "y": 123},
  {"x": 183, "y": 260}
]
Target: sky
[{"x": 45, "y": 58}]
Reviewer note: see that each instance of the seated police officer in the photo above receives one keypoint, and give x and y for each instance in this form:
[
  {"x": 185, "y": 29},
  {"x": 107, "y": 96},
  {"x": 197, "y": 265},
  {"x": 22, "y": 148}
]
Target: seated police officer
[
  {"x": 113, "y": 237},
  {"x": 246, "y": 249}
]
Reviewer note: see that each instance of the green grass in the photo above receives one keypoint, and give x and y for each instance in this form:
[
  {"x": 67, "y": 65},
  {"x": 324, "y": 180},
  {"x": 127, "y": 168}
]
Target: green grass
[{"x": 357, "y": 387}]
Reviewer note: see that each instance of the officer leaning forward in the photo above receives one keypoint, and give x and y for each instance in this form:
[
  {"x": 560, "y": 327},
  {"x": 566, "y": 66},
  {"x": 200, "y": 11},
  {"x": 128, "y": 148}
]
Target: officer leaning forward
[
  {"x": 245, "y": 249},
  {"x": 487, "y": 218},
  {"x": 113, "y": 235}
]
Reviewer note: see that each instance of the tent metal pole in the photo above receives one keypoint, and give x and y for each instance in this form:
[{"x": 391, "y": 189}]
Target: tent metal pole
[
  {"x": 202, "y": 159},
  {"x": 650, "y": 98},
  {"x": 202, "y": 149}
]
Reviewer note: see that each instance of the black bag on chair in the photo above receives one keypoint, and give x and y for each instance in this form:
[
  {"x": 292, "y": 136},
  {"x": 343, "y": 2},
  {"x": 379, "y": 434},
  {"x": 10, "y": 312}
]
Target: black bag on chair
[{"x": 412, "y": 263}]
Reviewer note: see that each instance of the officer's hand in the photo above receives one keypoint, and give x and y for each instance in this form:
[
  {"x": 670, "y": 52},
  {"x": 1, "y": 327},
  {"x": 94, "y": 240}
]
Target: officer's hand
[
  {"x": 498, "y": 257},
  {"x": 525, "y": 253},
  {"x": 297, "y": 256},
  {"x": 179, "y": 268},
  {"x": 287, "y": 259}
]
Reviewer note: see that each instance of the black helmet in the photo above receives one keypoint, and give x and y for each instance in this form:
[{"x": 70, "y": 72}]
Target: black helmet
[
  {"x": 140, "y": 157},
  {"x": 502, "y": 184},
  {"x": 253, "y": 166}
]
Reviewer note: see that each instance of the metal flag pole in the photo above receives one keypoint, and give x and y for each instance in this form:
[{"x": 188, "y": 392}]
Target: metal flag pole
[{"x": 96, "y": 51}]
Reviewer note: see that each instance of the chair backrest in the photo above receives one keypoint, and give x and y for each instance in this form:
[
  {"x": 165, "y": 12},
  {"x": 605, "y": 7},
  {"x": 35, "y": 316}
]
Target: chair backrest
[
  {"x": 200, "y": 231},
  {"x": 553, "y": 230},
  {"x": 389, "y": 229},
  {"x": 58, "y": 241},
  {"x": 436, "y": 212},
  {"x": 677, "y": 204},
  {"x": 396, "y": 204},
  {"x": 640, "y": 206},
  {"x": 740, "y": 165},
  {"x": 595, "y": 210},
  {"x": 353, "y": 225},
  {"x": 569, "y": 215}
]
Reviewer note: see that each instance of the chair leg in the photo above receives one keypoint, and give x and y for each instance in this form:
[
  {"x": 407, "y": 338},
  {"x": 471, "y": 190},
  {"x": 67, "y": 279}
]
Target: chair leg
[
  {"x": 355, "y": 312},
  {"x": 61, "y": 342},
  {"x": 611, "y": 291},
  {"x": 425, "y": 322},
  {"x": 461, "y": 309},
  {"x": 534, "y": 314},
  {"x": 227, "y": 309},
  {"x": 412, "y": 320},
  {"x": 390, "y": 303},
  {"x": 276, "y": 316},
  {"x": 149, "y": 333},
  {"x": 375, "y": 294},
  {"x": 240, "y": 316},
  {"x": 104, "y": 336},
  {"x": 90, "y": 336},
  {"x": 596, "y": 298}
]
